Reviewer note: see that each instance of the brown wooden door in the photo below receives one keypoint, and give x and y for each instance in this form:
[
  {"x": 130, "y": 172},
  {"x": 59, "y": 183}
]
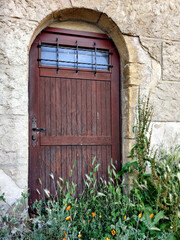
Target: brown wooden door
[{"x": 79, "y": 107}]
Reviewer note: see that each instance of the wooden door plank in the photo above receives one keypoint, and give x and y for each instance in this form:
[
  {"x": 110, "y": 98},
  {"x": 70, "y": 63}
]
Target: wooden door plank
[
  {"x": 71, "y": 140},
  {"x": 71, "y": 74},
  {"x": 53, "y": 106},
  {"x": 103, "y": 109},
  {"x": 53, "y": 169},
  {"x": 58, "y": 91},
  {"x": 69, "y": 100},
  {"x": 73, "y": 104},
  {"x": 84, "y": 108},
  {"x": 78, "y": 106},
  {"x": 94, "y": 110},
  {"x": 89, "y": 109},
  {"x": 108, "y": 108},
  {"x": 64, "y": 108},
  {"x": 48, "y": 166},
  {"x": 99, "y": 112}
]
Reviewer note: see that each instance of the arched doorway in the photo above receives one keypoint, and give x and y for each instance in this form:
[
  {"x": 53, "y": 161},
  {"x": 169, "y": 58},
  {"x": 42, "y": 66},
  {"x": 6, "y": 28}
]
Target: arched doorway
[{"x": 74, "y": 107}]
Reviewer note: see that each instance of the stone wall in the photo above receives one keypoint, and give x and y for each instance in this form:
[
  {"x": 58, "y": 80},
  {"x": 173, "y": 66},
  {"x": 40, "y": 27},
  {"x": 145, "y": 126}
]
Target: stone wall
[{"x": 147, "y": 36}]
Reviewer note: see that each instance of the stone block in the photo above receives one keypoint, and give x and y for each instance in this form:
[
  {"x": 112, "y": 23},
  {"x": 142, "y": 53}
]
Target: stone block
[
  {"x": 13, "y": 139},
  {"x": 128, "y": 144},
  {"x": 15, "y": 41},
  {"x": 18, "y": 174},
  {"x": 165, "y": 98},
  {"x": 133, "y": 74},
  {"x": 9, "y": 187},
  {"x": 92, "y": 4},
  {"x": 79, "y": 14},
  {"x": 156, "y": 19},
  {"x": 13, "y": 89},
  {"x": 106, "y": 23},
  {"x": 171, "y": 61},
  {"x": 153, "y": 47},
  {"x": 35, "y": 10},
  {"x": 130, "y": 100},
  {"x": 166, "y": 134}
]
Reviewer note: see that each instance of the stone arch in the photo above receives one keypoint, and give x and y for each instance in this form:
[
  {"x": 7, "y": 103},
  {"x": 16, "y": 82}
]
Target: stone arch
[{"x": 124, "y": 46}]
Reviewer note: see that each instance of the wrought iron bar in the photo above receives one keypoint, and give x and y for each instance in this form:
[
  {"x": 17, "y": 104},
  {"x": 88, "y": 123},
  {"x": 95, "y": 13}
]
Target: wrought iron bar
[
  {"x": 76, "y": 56},
  {"x": 95, "y": 58},
  {"x": 57, "y": 40},
  {"x": 97, "y": 64}
]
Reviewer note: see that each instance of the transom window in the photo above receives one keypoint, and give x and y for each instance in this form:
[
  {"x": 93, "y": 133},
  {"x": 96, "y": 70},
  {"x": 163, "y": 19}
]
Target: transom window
[{"x": 74, "y": 57}]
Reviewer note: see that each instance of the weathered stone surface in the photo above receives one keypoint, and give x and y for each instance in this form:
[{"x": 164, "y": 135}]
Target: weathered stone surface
[
  {"x": 79, "y": 14},
  {"x": 166, "y": 134},
  {"x": 93, "y": 4},
  {"x": 129, "y": 104},
  {"x": 165, "y": 99},
  {"x": 34, "y": 10},
  {"x": 153, "y": 47},
  {"x": 106, "y": 23},
  {"x": 13, "y": 89},
  {"x": 18, "y": 173},
  {"x": 8, "y": 186},
  {"x": 128, "y": 144},
  {"x": 171, "y": 61},
  {"x": 151, "y": 18},
  {"x": 16, "y": 37},
  {"x": 13, "y": 140}
]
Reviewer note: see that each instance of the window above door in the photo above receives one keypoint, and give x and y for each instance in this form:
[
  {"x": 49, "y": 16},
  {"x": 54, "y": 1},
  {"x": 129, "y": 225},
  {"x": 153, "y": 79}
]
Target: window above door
[
  {"x": 72, "y": 57},
  {"x": 69, "y": 50}
]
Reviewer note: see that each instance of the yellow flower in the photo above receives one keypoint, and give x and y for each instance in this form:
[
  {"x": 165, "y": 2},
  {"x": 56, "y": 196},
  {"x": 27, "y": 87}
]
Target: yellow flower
[
  {"x": 113, "y": 232},
  {"x": 68, "y": 208},
  {"x": 93, "y": 214},
  {"x": 107, "y": 238},
  {"x": 80, "y": 235},
  {"x": 100, "y": 216},
  {"x": 68, "y": 218},
  {"x": 140, "y": 215},
  {"x": 125, "y": 217},
  {"x": 151, "y": 216},
  {"x": 65, "y": 204}
]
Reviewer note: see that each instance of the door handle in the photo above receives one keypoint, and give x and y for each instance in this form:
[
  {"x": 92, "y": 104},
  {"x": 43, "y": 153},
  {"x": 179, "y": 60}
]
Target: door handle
[
  {"x": 35, "y": 129},
  {"x": 38, "y": 129}
]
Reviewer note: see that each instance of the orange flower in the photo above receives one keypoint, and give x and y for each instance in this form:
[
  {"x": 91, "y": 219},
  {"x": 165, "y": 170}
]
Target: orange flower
[
  {"x": 151, "y": 216},
  {"x": 80, "y": 235},
  {"x": 65, "y": 234},
  {"x": 68, "y": 218},
  {"x": 68, "y": 208},
  {"x": 88, "y": 221},
  {"x": 64, "y": 239},
  {"x": 113, "y": 232},
  {"x": 125, "y": 217},
  {"x": 93, "y": 214},
  {"x": 140, "y": 215}
]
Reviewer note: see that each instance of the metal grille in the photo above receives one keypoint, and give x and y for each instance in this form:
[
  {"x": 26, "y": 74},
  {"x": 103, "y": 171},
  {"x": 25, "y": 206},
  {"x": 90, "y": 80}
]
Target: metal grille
[{"x": 74, "y": 57}]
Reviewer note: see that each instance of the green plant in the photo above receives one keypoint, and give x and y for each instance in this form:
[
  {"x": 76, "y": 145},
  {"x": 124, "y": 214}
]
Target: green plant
[
  {"x": 159, "y": 189},
  {"x": 165, "y": 178}
]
